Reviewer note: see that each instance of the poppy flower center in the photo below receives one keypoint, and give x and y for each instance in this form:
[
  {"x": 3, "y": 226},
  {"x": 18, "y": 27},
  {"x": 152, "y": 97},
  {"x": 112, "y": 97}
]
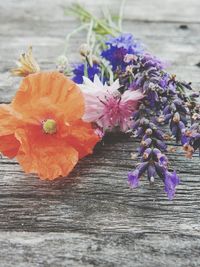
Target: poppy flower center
[{"x": 49, "y": 126}]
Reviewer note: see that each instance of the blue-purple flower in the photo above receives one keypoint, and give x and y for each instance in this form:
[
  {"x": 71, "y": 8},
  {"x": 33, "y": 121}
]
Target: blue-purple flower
[
  {"x": 79, "y": 71},
  {"x": 119, "y": 47}
]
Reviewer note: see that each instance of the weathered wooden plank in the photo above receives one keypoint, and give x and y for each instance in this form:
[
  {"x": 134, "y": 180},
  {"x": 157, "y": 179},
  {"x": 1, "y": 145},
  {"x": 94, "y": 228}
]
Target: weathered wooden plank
[
  {"x": 99, "y": 249},
  {"x": 96, "y": 196},
  {"x": 166, "y": 40},
  {"x": 154, "y": 10}
]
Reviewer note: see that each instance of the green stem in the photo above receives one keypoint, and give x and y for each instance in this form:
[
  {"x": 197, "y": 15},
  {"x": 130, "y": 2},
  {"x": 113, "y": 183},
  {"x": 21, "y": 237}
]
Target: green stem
[
  {"x": 84, "y": 14},
  {"x": 121, "y": 11}
]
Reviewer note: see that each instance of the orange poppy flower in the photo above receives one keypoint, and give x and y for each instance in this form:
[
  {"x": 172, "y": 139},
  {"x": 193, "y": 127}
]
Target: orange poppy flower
[{"x": 42, "y": 127}]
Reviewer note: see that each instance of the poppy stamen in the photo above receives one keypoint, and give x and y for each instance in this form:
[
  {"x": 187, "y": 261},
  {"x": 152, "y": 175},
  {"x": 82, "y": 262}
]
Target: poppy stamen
[{"x": 49, "y": 126}]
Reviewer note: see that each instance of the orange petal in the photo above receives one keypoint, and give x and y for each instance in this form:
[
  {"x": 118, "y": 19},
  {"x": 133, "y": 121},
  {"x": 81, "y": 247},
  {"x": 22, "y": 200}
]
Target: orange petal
[
  {"x": 82, "y": 137},
  {"x": 9, "y": 145},
  {"x": 49, "y": 160},
  {"x": 9, "y": 120},
  {"x": 50, "y": 91}
]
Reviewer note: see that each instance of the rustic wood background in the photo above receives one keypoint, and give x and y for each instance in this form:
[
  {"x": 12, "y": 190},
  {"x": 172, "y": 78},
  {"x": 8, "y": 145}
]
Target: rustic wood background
[{"x": 92, "y": 218}]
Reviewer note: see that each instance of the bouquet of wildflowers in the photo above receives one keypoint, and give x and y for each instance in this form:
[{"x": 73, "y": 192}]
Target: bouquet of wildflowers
[{"x": 56, "y": 118}]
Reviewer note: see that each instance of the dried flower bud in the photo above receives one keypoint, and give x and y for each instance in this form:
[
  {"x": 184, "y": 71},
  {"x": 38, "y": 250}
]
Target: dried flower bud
[
  {"x": 161, "y": 119},
  {"x": 173, "y": 77},
  {"x": 26, "y": 65},
  {"x": 147, "y": 153},
  {"x": 189, "y": 104},
  {"x": 84, "y": 50},
  {"x": 129, "y": 69},
  {"x": 62, "y": 63},
  {"x": 189, "y": 150},
  {"x": 134, "y": 156},
  {"x": 147, "y": 142},
  {"x": 171, "y": 149},
  {"x": 96, "y": 60},
  {"x": 148, "y": 131},
  {"x": 129, "y": 57},
  {"x": 196, "y": 116},
  {"x": 176, "y": 117},
  {"x": 167, "y": 137}
]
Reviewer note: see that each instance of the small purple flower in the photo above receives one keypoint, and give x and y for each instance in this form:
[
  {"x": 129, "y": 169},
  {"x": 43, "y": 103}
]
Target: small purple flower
[
  {"x": 149, "y": 62},
  {"x": 164, "y": 81},
  {"x": 147, "y": 153},
  {"x": 161, "y": 158},
  {"x": 79, "y": 72},
  {"x": 161, "y": 145},
  {"x": 119, "y": 47},
  {"x": 151, "y": 173},
  {"x": 133, "y": 178},
  {"x": 171, "y": 181}
]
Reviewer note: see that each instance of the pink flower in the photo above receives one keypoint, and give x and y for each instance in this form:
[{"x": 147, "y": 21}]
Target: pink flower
[{"x": 107, "y": 107}]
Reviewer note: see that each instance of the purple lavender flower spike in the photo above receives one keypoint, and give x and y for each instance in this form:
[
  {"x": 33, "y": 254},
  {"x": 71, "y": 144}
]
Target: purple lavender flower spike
[{"x": 171, "y": 181}]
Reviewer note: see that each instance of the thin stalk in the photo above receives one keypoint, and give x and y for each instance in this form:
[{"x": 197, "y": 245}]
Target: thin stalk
[{"x": 121, "y": 11}]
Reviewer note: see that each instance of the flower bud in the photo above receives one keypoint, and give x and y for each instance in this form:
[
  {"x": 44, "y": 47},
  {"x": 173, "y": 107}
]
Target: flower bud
[
  {"x": 147, "y": 153},
  {"x": 147, "y": 142},
  {"x": 129, "y": 57},
  {"x": 62, "y": 63},
  {"x": 96, "y": 60},
  {"x": 176, "y": 117},
  {"x": 196, "y": 116},
  {"x": 84, "y": 50},
  {"x": 148, "y": 131}
]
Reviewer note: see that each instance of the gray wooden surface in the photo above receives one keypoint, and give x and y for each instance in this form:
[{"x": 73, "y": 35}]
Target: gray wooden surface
[{"x": 92, "y": 218}]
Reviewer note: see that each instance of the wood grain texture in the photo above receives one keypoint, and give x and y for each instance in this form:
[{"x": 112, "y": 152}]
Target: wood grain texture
[
  {"x": 110, "y": 249},
  {"x": 92, "y": 218}
]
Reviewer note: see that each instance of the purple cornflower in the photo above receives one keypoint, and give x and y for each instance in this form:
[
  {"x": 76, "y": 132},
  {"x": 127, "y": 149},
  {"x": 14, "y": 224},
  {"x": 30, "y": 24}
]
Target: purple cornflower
[
  {"x": 120, "y": 46},
  {"x": 79, "y": 72},
  {"x": 171, "y": 181}
]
